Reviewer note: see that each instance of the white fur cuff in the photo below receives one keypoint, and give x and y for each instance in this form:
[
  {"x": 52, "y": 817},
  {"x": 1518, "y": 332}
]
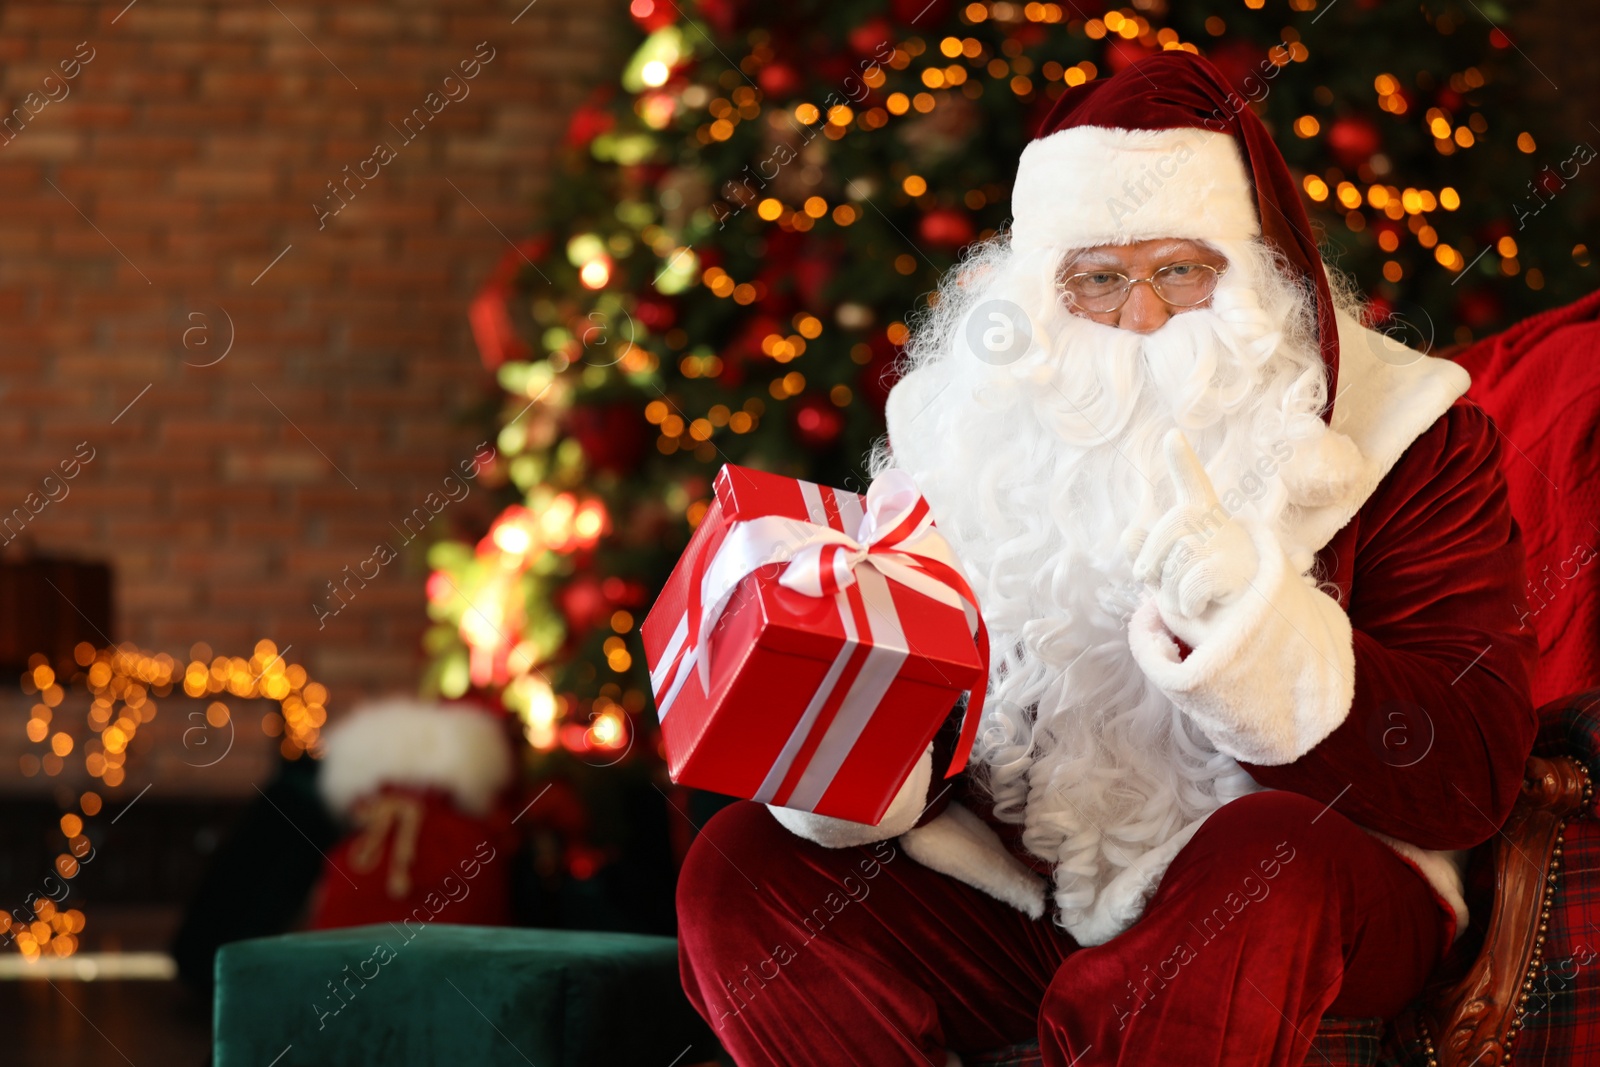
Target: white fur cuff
[
  {"x": 1274, "y": 673},
  {"x": 961, "y": 845},
  {"x": 904, "y": 811}
]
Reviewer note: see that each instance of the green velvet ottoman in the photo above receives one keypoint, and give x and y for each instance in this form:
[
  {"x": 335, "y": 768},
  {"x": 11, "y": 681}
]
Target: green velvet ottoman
[{"x": 426, "y": 996}]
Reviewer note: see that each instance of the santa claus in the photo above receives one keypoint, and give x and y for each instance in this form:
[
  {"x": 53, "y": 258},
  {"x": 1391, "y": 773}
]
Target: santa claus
[{"x": 1252, "y": 586}]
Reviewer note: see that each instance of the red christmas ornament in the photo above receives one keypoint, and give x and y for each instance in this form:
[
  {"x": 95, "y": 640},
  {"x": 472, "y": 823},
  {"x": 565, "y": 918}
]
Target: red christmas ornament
[
  {"x": 779, "y": 80},
  {"x": 812, "y": 273},
  {"x": 922, "y": 14},
  {"x": 878, "y": 376},
  {"x": 496, "y": 335},
  {"x": 816, "y": 421},
  {"x": 1480, "y": 309},
  {"x": 652, "y": 15},
  {"x": 867, "y": 38},
  {"x": 732, "y": 374},
  {"x": 589, "y": 121},
  {"x": 722, "y": 14},
  {"x": 1122, "y": 52},
  {"x": 624, "y": 592},
  {"x": 612, "y": 435},
  {"x": 747, "y": 343},
  {"x": 1353, "y": 139},
  {"x": 946, "y": 227},
  {"x": 655, "y": 314},
  {"x": 1238, "y": 61},
  {"x": 582, "y": 604}
]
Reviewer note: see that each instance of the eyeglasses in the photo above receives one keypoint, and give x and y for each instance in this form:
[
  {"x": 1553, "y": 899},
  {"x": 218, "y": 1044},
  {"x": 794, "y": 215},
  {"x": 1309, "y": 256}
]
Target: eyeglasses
[{"x": 1180, "y": 284}]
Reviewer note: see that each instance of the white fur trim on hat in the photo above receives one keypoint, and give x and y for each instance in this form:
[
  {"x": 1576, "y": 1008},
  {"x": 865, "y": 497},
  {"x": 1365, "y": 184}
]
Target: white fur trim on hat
[
  {"x": 406, "y": 742},
  {"x": 1093, "y": 185}
]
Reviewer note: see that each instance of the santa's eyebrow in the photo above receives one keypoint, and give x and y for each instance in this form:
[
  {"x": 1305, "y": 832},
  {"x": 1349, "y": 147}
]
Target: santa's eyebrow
[{"x": 1093, "y": 259}]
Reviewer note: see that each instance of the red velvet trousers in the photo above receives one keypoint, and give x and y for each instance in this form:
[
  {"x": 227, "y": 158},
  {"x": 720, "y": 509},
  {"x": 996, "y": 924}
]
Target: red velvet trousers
[{"x": 1278, "y": 912}]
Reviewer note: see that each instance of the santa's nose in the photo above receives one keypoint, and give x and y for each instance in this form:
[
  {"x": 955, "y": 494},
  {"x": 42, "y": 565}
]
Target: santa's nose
[{"x": 1144, "y": 311}]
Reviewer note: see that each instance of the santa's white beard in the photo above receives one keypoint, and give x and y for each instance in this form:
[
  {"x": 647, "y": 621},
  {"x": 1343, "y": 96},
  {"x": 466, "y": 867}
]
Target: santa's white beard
[{"x": 1035, "y": 470}]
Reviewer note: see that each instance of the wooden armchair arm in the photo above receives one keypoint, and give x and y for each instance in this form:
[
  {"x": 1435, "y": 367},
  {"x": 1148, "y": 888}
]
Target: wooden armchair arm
[{"x": 1473, "y": 1020}]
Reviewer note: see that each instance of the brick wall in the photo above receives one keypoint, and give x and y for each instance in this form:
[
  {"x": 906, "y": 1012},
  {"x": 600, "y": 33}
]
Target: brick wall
[{"x": 149, "y": 189}]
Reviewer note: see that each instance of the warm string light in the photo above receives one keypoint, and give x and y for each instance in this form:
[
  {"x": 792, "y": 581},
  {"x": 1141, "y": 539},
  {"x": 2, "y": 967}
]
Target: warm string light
[
  {"x": 52, "y": 930},
  {"x": 123, "y": 683}
]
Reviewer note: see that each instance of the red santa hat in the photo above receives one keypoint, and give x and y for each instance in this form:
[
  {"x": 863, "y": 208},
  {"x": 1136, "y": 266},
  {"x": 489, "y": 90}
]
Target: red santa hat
[{"x": 1165, "y": 148}]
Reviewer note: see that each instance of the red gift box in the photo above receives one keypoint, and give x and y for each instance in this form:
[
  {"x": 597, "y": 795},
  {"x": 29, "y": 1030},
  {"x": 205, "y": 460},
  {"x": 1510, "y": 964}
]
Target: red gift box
[{"x": 810, "y": 643}]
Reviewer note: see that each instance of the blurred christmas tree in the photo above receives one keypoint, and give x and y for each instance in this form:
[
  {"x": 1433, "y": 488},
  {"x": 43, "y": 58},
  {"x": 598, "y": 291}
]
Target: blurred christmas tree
[{"x": 738, "y": 235}]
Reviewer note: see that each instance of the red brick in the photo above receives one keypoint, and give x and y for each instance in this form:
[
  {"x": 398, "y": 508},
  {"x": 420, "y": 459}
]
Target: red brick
[
  {"x": 179, "y": 529},
  {"x": 170, "y": 466},
  {"x": 247, "y": 84},
  {"x": 137, "y": 81},
  {"x": 290, "y": 272},
  {"x": 79, "y": 180},
  {"x": 224, "y": 181},
  {"x": 17, "y": 241},
  {"x": 305, "y": 467},
  {"x": 168, "y": 21},
  {"x": 342, "y": 498},
  {"x": 63, "y": 532},
  {"x": 213, "y": 562},
  {"x": 256, "y": 21},
  {"x": 217, "y": 498},
  {"x": 95, "y": 116},
  {"x": 322, "y": 564},
  {"x": 135, "y": 596},
  {"x": 35, "y": 143},
  {"x": 98, "y": 242},
  {"x": 257, "y": 147},
  {"x": 140, "y": 146},
  {"x": 194, "y": 115},
  {"x": 203, "y": 52},
  {"x": 51, "y": 18},
  {"x": 202, "y": 430},
  {"x": 276, "y": 595},
  {"x": 166, "y": 211},
  {"x": 379, "y": 22},
  {"x": 255, "y": 527}
]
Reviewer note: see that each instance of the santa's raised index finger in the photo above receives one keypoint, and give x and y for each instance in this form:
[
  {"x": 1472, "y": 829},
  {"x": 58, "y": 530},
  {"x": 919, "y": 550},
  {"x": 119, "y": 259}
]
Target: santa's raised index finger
[{"x": 1189, "y": 476}]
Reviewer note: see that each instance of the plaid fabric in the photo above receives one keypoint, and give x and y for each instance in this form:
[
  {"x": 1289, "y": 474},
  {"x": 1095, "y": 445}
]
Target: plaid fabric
[
  {"x": 1345, "y": 1043},
  {"x": 1338, "y": 1043},
  {"x": 1012, "y": 1056},
  {"x": 1562, "y": 1027}
]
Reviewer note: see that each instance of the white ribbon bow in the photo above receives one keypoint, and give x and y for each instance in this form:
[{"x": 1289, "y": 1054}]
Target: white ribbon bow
[{"x": 820, "y": 560}]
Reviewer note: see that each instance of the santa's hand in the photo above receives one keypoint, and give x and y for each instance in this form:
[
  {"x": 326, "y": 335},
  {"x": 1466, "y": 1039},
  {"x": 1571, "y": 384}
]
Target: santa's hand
[{"x": 1196, "y": 553}]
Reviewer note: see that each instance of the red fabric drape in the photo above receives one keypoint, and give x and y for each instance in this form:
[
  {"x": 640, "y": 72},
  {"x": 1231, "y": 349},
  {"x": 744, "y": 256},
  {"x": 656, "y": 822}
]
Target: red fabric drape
[{"x": 1540, "y": 382}]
